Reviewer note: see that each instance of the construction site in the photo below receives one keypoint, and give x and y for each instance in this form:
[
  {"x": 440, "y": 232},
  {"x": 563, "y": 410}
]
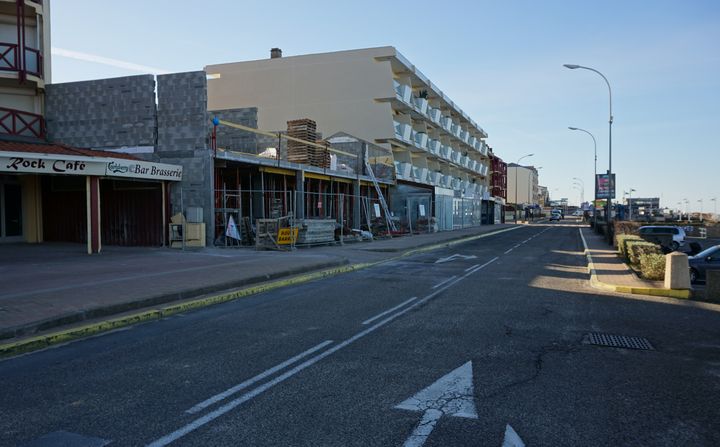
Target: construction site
[{"x": 284, "y": 189}]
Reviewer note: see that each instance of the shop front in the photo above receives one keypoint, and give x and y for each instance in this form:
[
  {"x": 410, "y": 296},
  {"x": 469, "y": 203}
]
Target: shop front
[{"x": 55, "y": 193}]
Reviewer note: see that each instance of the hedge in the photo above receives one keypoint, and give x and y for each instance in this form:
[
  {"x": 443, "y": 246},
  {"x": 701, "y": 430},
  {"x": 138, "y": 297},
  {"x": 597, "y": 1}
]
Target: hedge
[
  {"x": 652, "y": 266},
  {"x": 637, "y": 248},
  {"x": 622, "y": 239}
]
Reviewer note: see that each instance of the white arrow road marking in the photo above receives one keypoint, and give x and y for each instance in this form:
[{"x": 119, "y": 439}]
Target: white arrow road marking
[
  {"x": 512, "y": 439},
  {"x": 454, "y": 257},
  {"x": 451, "y": 395}
]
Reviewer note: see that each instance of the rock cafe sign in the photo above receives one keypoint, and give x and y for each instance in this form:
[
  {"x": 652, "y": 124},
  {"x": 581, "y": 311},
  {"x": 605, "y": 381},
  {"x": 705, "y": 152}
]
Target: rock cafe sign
[{"x": 88, "y": 166}]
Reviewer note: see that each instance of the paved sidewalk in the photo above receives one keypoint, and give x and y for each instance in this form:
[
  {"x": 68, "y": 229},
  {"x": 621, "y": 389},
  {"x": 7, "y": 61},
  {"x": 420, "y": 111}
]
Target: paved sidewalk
[
  {"x": 50, "y": 286},
  {"x": 609, "y": 272}
]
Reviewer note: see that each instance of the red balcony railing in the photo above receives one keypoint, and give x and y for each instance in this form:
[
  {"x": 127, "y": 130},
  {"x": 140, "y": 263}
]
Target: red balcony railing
[
  {"x": 24, "y": 124},
  {"x": 9, "y": 60}
]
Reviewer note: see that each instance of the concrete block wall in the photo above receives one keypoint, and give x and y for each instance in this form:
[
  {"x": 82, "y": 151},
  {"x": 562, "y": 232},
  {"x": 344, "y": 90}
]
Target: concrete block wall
[
  {"x": 183, "y": 139},
  {"x": 104, "y": 113},
  {"x": 236, "y": 139}
]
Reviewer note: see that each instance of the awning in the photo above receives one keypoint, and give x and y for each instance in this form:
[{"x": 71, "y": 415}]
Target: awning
[{"x": 30, "y": 158}]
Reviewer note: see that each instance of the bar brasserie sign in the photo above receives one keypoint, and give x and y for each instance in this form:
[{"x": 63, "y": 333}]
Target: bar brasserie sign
[{"x": 88, "y": 166}]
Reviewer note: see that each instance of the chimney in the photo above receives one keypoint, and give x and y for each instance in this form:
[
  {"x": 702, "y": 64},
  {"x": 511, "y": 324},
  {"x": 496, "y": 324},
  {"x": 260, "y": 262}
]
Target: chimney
[{"x": 275, "y": 53}]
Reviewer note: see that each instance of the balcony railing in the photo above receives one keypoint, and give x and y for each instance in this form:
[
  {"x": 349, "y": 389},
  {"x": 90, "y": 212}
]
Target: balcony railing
[
  {"x": 23, "y": 124},
  {"x": 9, "y": 60}
]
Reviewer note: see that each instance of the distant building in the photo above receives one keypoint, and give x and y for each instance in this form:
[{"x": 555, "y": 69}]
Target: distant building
[
  {"x": 543, "y": 196},
  {"x": 639, "y": 207},
  {"x": 522, "y": 185}
]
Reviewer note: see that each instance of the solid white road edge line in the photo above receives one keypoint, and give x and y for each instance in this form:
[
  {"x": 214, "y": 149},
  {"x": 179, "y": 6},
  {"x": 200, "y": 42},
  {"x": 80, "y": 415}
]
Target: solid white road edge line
[
  {"x": 471, "y": 267},
  {"x": 370, "y": 320},
  {"x": 197, "y": 423},
  {"x": 239, "y": 387}
]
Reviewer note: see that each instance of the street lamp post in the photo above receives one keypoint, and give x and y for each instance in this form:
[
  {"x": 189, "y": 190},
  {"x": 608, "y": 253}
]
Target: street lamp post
[
  {"x": 516, "y": 177},
  {"x": 610, "y": 121},
  {"x": 630, "y": 203},
  {"x": 582, "y": 183},
  {"x": 595, "y": 150},
  {"x": 701, "y": 209},
  {"x": 582, "y": 191},
  {"x": 714, "y": 200}
]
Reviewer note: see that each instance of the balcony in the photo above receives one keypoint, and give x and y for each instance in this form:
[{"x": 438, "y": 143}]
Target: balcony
[
  {"x": 435, "y": 115},
  {"x": 446, "y": 181},
  {"x": 435, "y": 178},
  {"x": 403, "y": 131},
  {"x": 402, "y": 92},
  {"x": 9, "y": 60},
  {"x": 434, "y": 147},
  {"x": 421, "y": 140},
  {"x": 447, "y": 123},
  {"x": 421, "y": 105},
  {"x": 455, "y": 157},
  {"x": 446, "y": 152},
  {"x": 403, "y": 170},
  {"x": 23, "y": 124},
  {"x": 422, "y": 174}
]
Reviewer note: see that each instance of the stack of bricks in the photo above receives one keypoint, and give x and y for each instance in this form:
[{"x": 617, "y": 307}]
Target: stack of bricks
[
  {"x": 305, "y": 129},
  {"x": 104, "y": 113}
]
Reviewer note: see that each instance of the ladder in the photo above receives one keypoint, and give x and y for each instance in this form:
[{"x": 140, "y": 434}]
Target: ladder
[{"x": 383, "y": 203}]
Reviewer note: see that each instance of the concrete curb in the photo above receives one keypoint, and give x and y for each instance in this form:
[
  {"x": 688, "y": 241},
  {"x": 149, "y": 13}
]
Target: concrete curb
[
  {"x": 67, "y": 335},
  {"x": 652, "y": 291}
]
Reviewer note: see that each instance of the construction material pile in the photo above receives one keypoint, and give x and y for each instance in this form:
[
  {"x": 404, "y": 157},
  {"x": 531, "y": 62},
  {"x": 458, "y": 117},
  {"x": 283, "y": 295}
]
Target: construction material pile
[
  {"x": 305, "y": 129},
  {"x": 316, "y": 231}
]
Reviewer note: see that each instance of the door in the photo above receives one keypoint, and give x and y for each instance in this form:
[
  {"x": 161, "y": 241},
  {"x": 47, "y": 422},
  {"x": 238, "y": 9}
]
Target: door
[{"x": 10, "y": 211}]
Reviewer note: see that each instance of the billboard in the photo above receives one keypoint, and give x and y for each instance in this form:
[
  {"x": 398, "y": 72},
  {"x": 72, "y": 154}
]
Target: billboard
[{"x": 605, "y": 186}]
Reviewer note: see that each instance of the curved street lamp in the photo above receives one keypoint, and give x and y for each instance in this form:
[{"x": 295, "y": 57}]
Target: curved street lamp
[
  {"x": 582, "y": 189},
  {"x": 516, "y": 176},
  {"x": 595, "y": 150},
  {"x": 610, "y": 121}
]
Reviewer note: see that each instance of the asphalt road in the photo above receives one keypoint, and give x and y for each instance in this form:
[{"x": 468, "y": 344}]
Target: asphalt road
[{"x": 440, "y": 349}]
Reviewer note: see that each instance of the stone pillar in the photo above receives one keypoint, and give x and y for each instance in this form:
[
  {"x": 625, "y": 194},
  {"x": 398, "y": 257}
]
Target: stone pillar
[{"x": 677, "y": 271}]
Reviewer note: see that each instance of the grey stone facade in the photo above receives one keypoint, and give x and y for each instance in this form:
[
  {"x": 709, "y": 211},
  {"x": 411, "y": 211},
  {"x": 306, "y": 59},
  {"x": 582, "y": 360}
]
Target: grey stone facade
[
  {"x": 121, "y": 112},
  {"x": 184, "y": 139},
  {"x": 104, "y": 113},
  {"x": 236, "y": 139}
]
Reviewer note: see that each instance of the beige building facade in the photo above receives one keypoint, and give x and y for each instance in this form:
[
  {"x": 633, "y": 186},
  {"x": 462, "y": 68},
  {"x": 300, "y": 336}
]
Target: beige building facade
[
  {"x": 375, "y": 94},
  {"x": 522, "y": 185}
]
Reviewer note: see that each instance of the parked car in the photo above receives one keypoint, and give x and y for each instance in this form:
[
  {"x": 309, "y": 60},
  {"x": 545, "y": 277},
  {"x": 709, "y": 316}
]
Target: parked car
[
  {"x": 675, "y": 236},
  {"x": 555, "y": 216},
  {"x": 708, "y": 259}
]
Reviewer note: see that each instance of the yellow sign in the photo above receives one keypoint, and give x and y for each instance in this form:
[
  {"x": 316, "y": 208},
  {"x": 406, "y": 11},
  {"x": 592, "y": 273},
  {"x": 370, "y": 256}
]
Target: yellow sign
[{"x": 285, "y": 237}]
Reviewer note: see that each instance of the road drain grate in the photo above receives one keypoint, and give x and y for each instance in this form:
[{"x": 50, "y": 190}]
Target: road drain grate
[{"x": 619, "y": 341}]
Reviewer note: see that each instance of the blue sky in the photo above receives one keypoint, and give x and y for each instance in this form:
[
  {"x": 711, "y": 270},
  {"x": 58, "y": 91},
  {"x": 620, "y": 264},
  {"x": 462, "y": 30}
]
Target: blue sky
[{"x": 501, "y": 62}]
